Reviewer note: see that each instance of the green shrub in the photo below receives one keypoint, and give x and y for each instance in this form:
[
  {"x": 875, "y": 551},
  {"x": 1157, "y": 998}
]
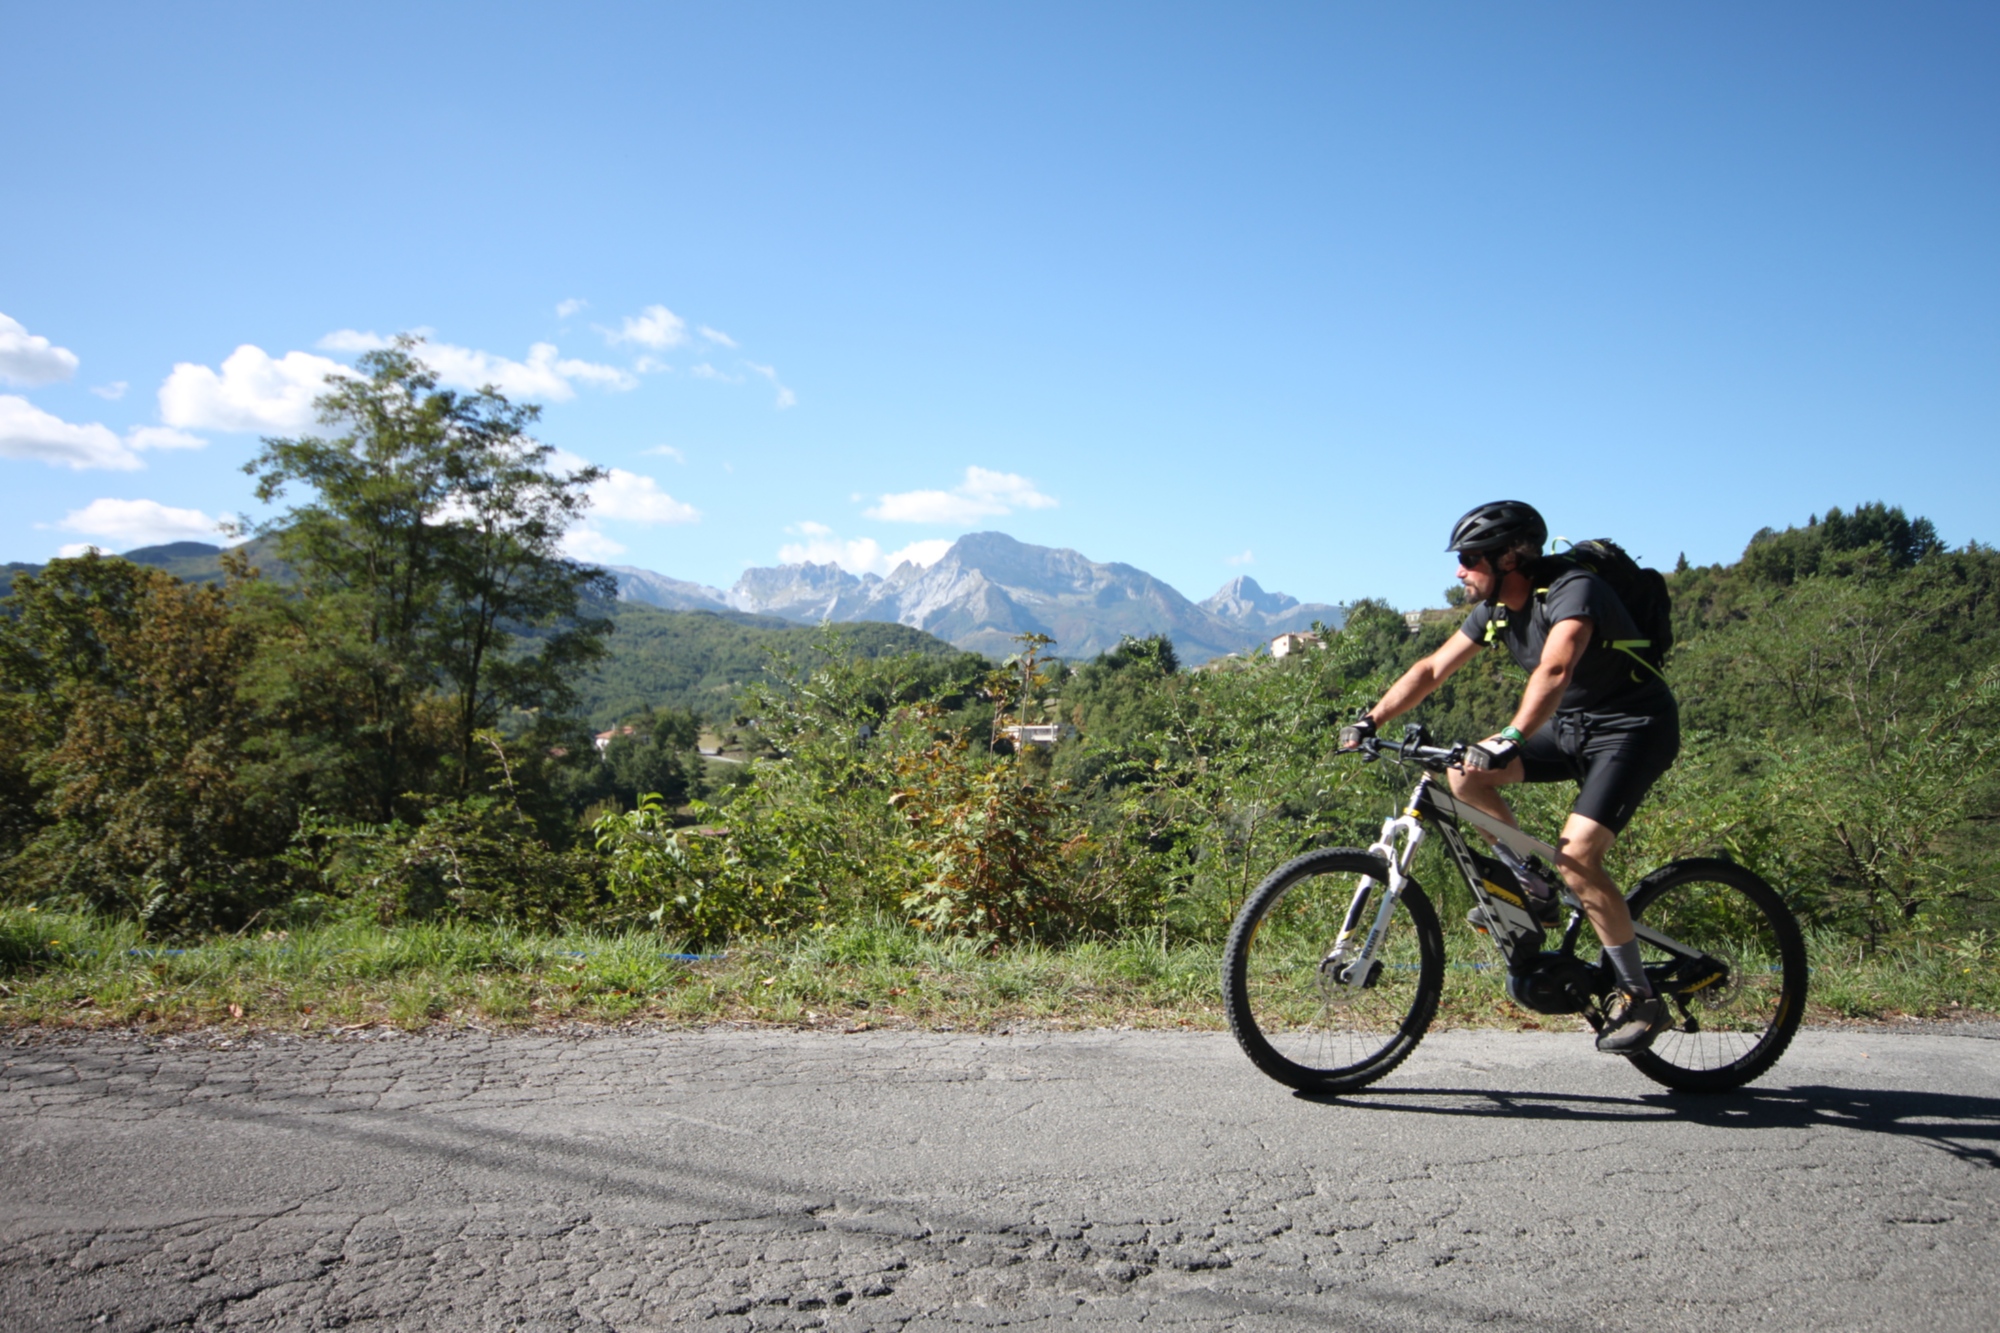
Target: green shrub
[
  {"x": 479, "y": 859},
  {"x": 700, "y": 883},
  {"x": 989, "y": 840}
]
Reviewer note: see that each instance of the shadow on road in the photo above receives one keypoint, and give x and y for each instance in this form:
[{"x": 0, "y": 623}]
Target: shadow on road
[{"x": 1966, "y": 1127}]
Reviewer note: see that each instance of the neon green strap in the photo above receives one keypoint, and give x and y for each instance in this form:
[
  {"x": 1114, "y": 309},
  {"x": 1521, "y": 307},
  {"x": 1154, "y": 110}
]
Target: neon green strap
[{"x": 1626, "y": 647}]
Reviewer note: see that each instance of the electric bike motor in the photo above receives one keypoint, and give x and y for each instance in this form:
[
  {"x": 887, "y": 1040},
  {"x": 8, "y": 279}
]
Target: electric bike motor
[{"x": 1553, "y": 983}]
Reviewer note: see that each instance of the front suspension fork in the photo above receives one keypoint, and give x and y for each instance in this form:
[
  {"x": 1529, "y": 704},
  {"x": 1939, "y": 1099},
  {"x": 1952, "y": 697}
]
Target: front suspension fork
[{"x": 1398, "y": 848}]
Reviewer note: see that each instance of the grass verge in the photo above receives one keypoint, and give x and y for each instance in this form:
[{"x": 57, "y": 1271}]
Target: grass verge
[{"x": 59, "y": 971}]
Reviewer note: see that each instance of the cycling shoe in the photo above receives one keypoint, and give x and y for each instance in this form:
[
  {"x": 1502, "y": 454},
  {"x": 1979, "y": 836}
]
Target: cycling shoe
[{"x": 1631, "y": 1023}]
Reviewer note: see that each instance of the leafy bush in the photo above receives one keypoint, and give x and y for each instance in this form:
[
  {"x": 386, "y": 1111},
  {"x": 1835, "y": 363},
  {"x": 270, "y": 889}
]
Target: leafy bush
[
  {"x": 480, "y": 859},
  {"x": 699, "y": 883},
  {"x": 989, "y": 840}
]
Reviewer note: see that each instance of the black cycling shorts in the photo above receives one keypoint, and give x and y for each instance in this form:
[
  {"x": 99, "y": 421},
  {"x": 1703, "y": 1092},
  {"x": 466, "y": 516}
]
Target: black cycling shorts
[{"x": 1614, "y": 760}]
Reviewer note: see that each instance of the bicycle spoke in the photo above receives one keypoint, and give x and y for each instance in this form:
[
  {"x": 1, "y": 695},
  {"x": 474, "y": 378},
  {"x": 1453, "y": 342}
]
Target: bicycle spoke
[
  {"x": 1736, "y": 975},
  {"x": 1287, "y": 1003}
]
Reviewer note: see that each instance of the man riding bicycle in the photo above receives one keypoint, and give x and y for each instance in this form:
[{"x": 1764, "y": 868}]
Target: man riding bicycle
[{"x": 1591, "y": 713}]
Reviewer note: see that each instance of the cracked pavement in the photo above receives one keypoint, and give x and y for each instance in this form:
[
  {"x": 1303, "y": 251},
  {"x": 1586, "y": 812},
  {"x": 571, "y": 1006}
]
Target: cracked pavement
[{"x": 738, "y": 1180}]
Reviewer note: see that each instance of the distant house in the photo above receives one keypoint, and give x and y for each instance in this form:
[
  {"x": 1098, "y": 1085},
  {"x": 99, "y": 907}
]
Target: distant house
[
  {"x": 1035, "y": 733},
  {"x": 1416, "y": 620},
  {"x": 604, "y": 738},
  {"x": 1287, "y": 644}
]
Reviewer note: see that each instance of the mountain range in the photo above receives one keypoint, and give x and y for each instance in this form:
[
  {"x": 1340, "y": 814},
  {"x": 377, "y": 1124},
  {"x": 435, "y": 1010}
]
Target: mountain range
[
  {"x": 981, "y": 593},
  {"x": 989, "y": 587}
]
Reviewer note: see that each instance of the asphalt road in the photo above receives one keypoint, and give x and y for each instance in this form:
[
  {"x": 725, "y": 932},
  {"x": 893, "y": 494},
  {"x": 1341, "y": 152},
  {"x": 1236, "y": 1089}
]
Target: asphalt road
[{"x": 738, "y": 1180}]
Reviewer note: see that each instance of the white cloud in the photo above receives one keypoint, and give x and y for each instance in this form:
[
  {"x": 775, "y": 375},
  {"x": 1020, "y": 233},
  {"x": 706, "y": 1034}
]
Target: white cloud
[
  {"x": 983, "y": 494},
  {"x": 590, "y": 372},
  {"x": 705, "y": 371},
  {"x": 656, "y": 327},
  {"x": 861, "y": 555},
  {"x": 651, "y": 365},
  {"x": 786, "y": 398},
  {"x": 163, "y": 437},
  {"x": 588, "y": 544},
  {"x": 637, "y": 499},
  {"x": 628, "y": 497},
  {"x": 922, "y": 554},
  {"x": 110, "y": 392},
  {"x": 546, "y": 374},
  {"x": 666, "y": 451},
  {"x": 564, "y": 309},
  {"x": 929, "y": 507},
  {"x": 129, "y": 523},
  {"x": 354, "y": 340},
  {"x": 27, "y": 432},
  {"x": 254, "y": 392},
  {"x": 1245, "y": 559},
  {"x": 27, "y": 358},
  {"x": 1004, "y": 488},
  {"x": 717, "y": 336}
]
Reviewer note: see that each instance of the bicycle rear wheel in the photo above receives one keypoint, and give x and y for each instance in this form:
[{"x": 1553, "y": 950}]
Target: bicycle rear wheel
[
  {"x": 1734, "y": 1011},
  {"x": 1286, "y": 1006}
]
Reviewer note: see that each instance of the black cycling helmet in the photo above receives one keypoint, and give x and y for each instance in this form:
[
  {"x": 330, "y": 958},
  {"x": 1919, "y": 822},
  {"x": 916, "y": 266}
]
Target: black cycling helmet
[{"x": 1498, "y": 526}]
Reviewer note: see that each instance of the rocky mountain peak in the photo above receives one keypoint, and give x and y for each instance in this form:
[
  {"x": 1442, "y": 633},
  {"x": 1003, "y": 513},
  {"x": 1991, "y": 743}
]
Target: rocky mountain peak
[
  {"x": 643, "y": 585},
  {"x": 989, "y": 587},
  {"x": 805, "y": 591},
  {"x": 1241, "y": 596}
]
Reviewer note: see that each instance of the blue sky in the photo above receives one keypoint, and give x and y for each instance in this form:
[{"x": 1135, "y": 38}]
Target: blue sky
[{"x": 1276, "y": 290}]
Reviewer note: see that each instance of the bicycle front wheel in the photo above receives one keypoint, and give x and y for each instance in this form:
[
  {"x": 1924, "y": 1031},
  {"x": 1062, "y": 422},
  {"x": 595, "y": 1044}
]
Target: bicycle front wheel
[
  {"x": 1735, "y": 1008},
  {"x": 1283, "y": 989}
]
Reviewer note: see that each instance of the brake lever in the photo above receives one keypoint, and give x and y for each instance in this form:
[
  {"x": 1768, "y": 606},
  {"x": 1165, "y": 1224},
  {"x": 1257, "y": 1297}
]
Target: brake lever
[{"x": 1370, "y": 750}]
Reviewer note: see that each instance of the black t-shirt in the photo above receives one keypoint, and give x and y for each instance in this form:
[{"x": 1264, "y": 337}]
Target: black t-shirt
[{"x": 1606, "y": 680}]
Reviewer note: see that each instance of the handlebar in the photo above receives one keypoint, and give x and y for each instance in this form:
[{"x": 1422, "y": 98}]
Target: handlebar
[{"x": 1414, "y": 748}]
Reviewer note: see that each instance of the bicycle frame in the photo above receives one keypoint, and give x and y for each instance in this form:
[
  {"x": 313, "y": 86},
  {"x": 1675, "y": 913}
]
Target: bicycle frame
[{"x": 1516, "y": 933}]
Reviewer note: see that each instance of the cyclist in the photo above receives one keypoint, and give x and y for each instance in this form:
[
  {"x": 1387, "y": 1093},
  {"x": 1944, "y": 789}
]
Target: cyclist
[{"x": 1591, "y": 714}]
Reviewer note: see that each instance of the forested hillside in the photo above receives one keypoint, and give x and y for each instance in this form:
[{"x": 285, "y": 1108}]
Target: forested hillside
[
  {"x": 702, "y": 661},
  {"x": 695, "y": 661}
]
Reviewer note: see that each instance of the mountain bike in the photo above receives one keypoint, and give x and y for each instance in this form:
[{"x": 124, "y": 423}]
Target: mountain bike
[{"x": 1335, "y": 964}]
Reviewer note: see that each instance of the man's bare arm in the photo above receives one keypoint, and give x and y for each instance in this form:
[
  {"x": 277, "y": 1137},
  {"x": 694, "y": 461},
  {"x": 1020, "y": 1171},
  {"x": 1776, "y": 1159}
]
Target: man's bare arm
[{"x": 1560, "y": 654}]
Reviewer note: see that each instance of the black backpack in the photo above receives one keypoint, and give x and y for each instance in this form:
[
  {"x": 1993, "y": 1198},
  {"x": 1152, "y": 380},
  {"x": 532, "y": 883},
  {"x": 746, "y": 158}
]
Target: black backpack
[{"x": 1644, "y": 592}]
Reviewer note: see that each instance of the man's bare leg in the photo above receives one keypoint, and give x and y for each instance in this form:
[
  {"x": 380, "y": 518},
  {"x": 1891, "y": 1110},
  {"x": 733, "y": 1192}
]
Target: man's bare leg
[
  {"x": 1580, "y": 856},
  {"x": 1479, "y": 788},
  {"x": 1580, "y": 851},
  {"x": 1634, "y": 1016}
]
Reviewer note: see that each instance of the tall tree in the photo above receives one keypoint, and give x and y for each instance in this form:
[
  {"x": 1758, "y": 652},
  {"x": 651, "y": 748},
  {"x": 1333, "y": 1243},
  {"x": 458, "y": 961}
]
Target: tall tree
[
  {"x": 434, "y": 597},
  {"x": 122, "y": 685}
]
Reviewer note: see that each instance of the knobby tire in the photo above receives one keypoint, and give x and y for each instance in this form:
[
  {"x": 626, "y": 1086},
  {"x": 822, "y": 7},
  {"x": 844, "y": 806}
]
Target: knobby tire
[
  {"x": 1742, "y": 1024},
  {"x": 1294, "y": 1027}
]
